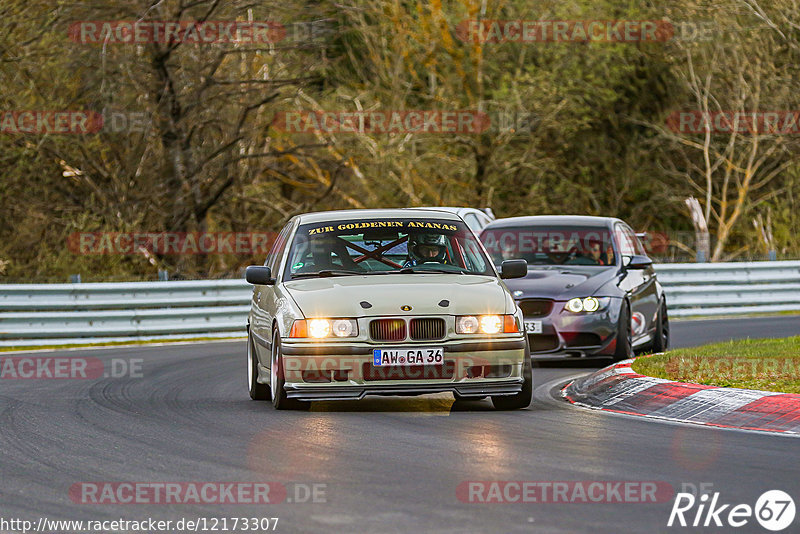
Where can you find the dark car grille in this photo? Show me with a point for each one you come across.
(387, 330)
(427, 329)
(536, 307)
(445, 371)
(581, 339)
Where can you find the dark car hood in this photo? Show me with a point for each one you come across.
(566, 282)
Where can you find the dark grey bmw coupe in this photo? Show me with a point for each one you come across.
(590, 291)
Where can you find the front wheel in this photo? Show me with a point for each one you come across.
(257, 391)
(523, 398)
(279, 399)
(661, 336)
(624, 348)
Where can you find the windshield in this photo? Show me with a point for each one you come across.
(385, 246)
(551, 245)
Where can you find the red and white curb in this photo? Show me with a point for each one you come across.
(619, 389)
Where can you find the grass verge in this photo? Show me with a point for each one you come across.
(765, 364)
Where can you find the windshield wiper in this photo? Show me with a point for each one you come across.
(328, 272)
(412, 270)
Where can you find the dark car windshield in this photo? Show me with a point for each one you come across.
(385, 246)
(551, 245)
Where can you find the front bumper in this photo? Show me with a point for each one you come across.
(338, 371)
(582, 335)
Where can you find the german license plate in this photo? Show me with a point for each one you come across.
(533, 327)
(408, 356)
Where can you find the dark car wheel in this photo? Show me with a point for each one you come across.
(279, 399)
(523, 398)
(258, 391)
(661, 336)
(624, 344)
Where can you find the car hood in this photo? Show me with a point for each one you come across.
(341, 296)
(565, 283)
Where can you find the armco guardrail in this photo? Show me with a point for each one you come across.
(64, 314)
(697, 289)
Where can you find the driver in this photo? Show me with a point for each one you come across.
(426, 248)
(597, 254)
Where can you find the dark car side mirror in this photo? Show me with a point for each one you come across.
(259, 275)
(513, 269)
(638, 262)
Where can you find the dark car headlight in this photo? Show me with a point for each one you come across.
(587, 304)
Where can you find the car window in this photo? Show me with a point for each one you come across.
(637, 243)
(382, 246)
(473, 222)
(550, 244)
(626, 239)
(275, 255)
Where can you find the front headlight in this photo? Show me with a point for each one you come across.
(588, 304)
(322, 328)
(486, 324)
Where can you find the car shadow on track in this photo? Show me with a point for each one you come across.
(440, 403)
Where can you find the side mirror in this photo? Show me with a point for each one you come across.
(513, 269)
(259, 275)
(637, 262)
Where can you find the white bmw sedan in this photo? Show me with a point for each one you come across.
(384, 302)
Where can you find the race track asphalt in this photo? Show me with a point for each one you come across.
(386, 464)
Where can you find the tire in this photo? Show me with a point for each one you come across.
(661, 336)
(279, 399)
(523, 398)
(624, 349)
(259, 392)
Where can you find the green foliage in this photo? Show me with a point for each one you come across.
(577, 127)
(764, 364)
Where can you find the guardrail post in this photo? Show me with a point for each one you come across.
(75, 278)
(163, 275)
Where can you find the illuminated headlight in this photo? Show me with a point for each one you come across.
(486, 324)
(319, 328)
(322, 328)
(588, 304)
(491, 324)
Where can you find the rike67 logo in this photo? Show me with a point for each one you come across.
(774, 510)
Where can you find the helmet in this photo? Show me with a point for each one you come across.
(428, 247)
